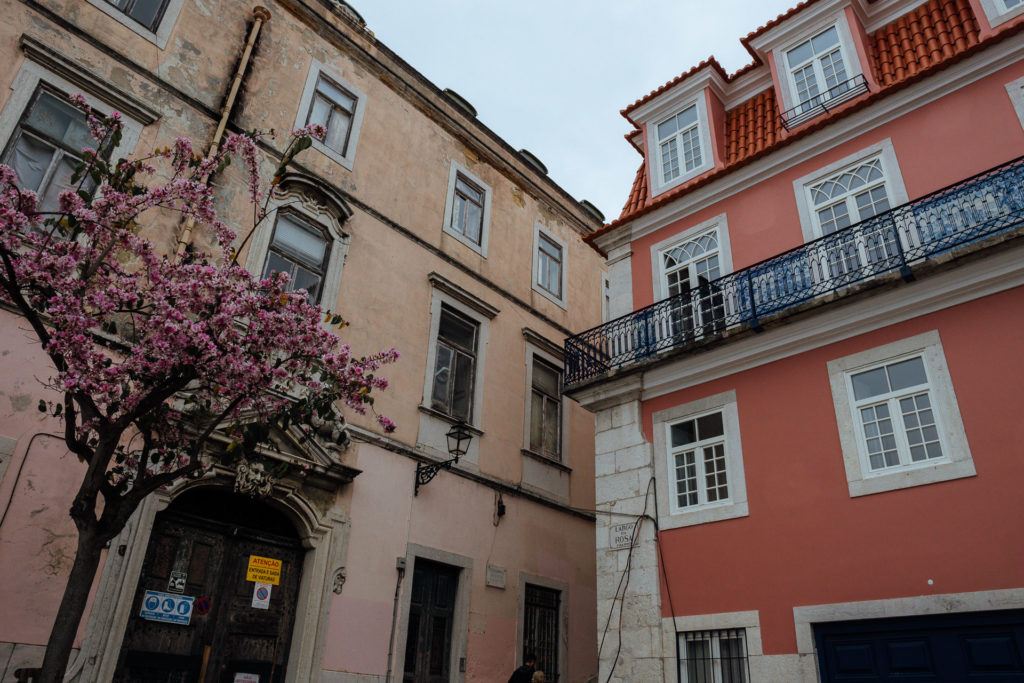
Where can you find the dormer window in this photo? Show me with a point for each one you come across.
(820, 75)
(679, 144)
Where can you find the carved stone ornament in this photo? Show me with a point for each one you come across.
(252, 480)
(339, 580)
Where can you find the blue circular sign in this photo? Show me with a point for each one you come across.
(262, 593)
(152, 602)
(184, 607)
(168, 605)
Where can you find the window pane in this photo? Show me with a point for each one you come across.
(337, 131)
(709, 426)
(551, 248)
(147, 12)
(276, 263)
(698, 662)
(684, 433)
(59, 181)
(469, 191)
(307, 280)
(870, 383)
(715, 478)
(667, 128)
(734, 668)
(669, 160)
(474, 221)
(551, 427)
(443, 366)
(462, 387)
(908, 373)
(30, 157)
(335, 94)
(799, 54)
(686, 478)
(60, 121)
(825, 40)
(458, 331)
(536, 421)
(545, 378)
(687, 117)
(301, 241)
(320, 112)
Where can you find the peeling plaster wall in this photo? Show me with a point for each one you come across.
(410, 136)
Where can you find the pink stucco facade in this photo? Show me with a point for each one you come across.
(813, 549)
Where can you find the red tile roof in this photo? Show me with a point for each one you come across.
(916, 44)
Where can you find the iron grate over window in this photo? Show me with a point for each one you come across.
(713, 656)
(541, 630)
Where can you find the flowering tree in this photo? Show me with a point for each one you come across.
(154, 355)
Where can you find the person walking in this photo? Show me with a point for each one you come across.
(524, 674)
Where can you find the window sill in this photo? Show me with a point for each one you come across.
(910, 477)
(445, 417)
(549, 296)
(547, 460)
(478, 249)
(704, 515)
(347, 161)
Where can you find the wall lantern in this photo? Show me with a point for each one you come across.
(459, 437)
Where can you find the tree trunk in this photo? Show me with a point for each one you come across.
(72, 606)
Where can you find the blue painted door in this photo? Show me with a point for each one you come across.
(978, 647)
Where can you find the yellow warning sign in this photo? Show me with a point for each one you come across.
(264, 570)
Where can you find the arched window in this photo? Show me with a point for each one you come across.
(685, 266)
(849, 197)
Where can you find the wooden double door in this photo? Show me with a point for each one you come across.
(200, 547)
(428, 645)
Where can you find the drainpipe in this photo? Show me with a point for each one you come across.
(400, 566)
(261, 15)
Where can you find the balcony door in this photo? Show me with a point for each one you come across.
(428, 645)
(695, 307)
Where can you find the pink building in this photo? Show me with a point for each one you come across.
(809, 444)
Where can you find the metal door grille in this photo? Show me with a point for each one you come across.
(541, 628)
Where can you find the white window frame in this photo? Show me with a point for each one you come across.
(454, 172)
(956, 461)
(658, 182)
(316, 214)
(160, 36)
(534, 352)
(317, 68)
(851, 58)
(998, 13)
(1015, 89)
(719, 225)
(894, 187)
(714, 641)
(539, 230)
(671, 515)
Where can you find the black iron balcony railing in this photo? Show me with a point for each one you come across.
(824, 101)
(969, 211)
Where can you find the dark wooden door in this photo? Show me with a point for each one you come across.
(428, 644)
(226, 634)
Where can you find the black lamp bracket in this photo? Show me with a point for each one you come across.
(425, 472)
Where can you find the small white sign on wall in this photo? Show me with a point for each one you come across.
(496, 576)
(246, 678)
(621, 536)
(261, 595)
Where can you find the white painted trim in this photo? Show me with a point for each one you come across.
(996, 273)
(894, 186)
(800, 25)
(330, 221)
(658, 184)
(674, 517)
(847, 48)
(449, 204)
(997, 12)
(563, 618)
(538, 229)
(348, 159)
(956, 461)
(719, 224)
(158, 37)
(883, 111)
(805, 617)
(875, 15)
(28, 78)
(437, 298)
(1015, 89)
(460, 618)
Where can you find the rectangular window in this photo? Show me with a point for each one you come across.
(896, 421)
(334, 108)
(1010, 4)
(468, 209)
(546, 410)
(541, 631)
(549, 265)
(817, 71)
(148, 13)
(301, 250)
(455, 365)
(714, 656)
(46, 147)
(679, 144)
(698, 452)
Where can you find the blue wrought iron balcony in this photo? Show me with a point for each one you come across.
(971, 211)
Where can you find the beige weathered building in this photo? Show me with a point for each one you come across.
(429, 233)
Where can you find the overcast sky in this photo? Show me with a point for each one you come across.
(552, 75)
